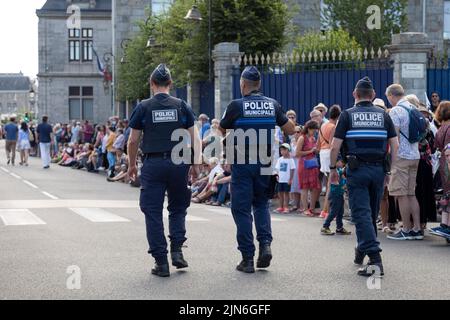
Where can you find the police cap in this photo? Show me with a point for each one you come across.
(161, 75)
(365, 84)
(251, 73)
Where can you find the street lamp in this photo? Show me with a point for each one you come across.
(195, 15)
(151, 42)
(124, 45)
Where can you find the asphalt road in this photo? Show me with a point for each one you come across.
(60, 223)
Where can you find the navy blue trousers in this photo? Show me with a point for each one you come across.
(159, 175)
(249, 189)
(336, 210)
(365, 188)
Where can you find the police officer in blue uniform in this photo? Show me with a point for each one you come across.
(158, 118)
(364, 133)
(249, 185)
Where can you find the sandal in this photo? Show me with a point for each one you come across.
(195, 200)
(216, 204)
(309, 213)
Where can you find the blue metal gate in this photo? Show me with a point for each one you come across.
(300, 87)
(438, 75)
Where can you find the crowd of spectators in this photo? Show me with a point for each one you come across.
(301, 164)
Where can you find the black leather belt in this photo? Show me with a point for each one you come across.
(158, 155)
(371, 163)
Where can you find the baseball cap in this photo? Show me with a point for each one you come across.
(286, 146)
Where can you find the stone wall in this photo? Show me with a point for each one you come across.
(125, 15)
(434, 20)
(308, 17)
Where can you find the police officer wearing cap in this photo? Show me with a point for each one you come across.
(250, 185)
(158, 118)
(364, 133)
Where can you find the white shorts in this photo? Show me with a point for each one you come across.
(325, 161)
(24, 145)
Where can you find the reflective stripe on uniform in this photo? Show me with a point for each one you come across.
(367, 134)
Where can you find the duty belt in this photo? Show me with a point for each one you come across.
(158, 155)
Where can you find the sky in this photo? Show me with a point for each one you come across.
(19, 36)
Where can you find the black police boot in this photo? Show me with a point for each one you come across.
(161, 270)
(177, 257)
(373, 267)
(265, 256)
(359, 257)
(247, 265)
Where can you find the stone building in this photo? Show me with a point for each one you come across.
(15, 89)
(70, 84)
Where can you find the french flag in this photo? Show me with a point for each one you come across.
(103, 70)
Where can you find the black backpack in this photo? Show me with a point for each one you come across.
(417, 125)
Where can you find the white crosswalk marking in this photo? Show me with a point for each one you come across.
(5, 170)
(98, 215)
(228, 213)
(188, 218)
(19, 217)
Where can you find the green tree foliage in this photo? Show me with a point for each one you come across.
(352, 16)
(337, 40)
(257, 25)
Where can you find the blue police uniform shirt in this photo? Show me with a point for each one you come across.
(44, 130)
(254, 111)
(365, 130)
(143, 120)
(11, 130)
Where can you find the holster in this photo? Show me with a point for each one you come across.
(353, 162)
(386, 165)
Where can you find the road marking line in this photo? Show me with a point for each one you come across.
(19, 217)
(30, 184)
(15, 176)
(228, 213)
(98, 215)
(49, 195)
(6, 170)
(188, 218)
(67, 203)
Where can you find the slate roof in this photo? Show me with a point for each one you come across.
(14, 82)
(61, 5)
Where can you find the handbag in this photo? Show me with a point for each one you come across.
(30, 136)
(311, 163)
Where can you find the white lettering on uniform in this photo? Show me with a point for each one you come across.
(259, 109)
(367, 120)
(161, 116)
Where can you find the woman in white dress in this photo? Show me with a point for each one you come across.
(24, 143)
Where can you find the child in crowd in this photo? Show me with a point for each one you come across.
(444, 229)
(336, 198)
(285, 169)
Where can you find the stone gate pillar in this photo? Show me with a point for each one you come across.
(225, 56)
(410, 52)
